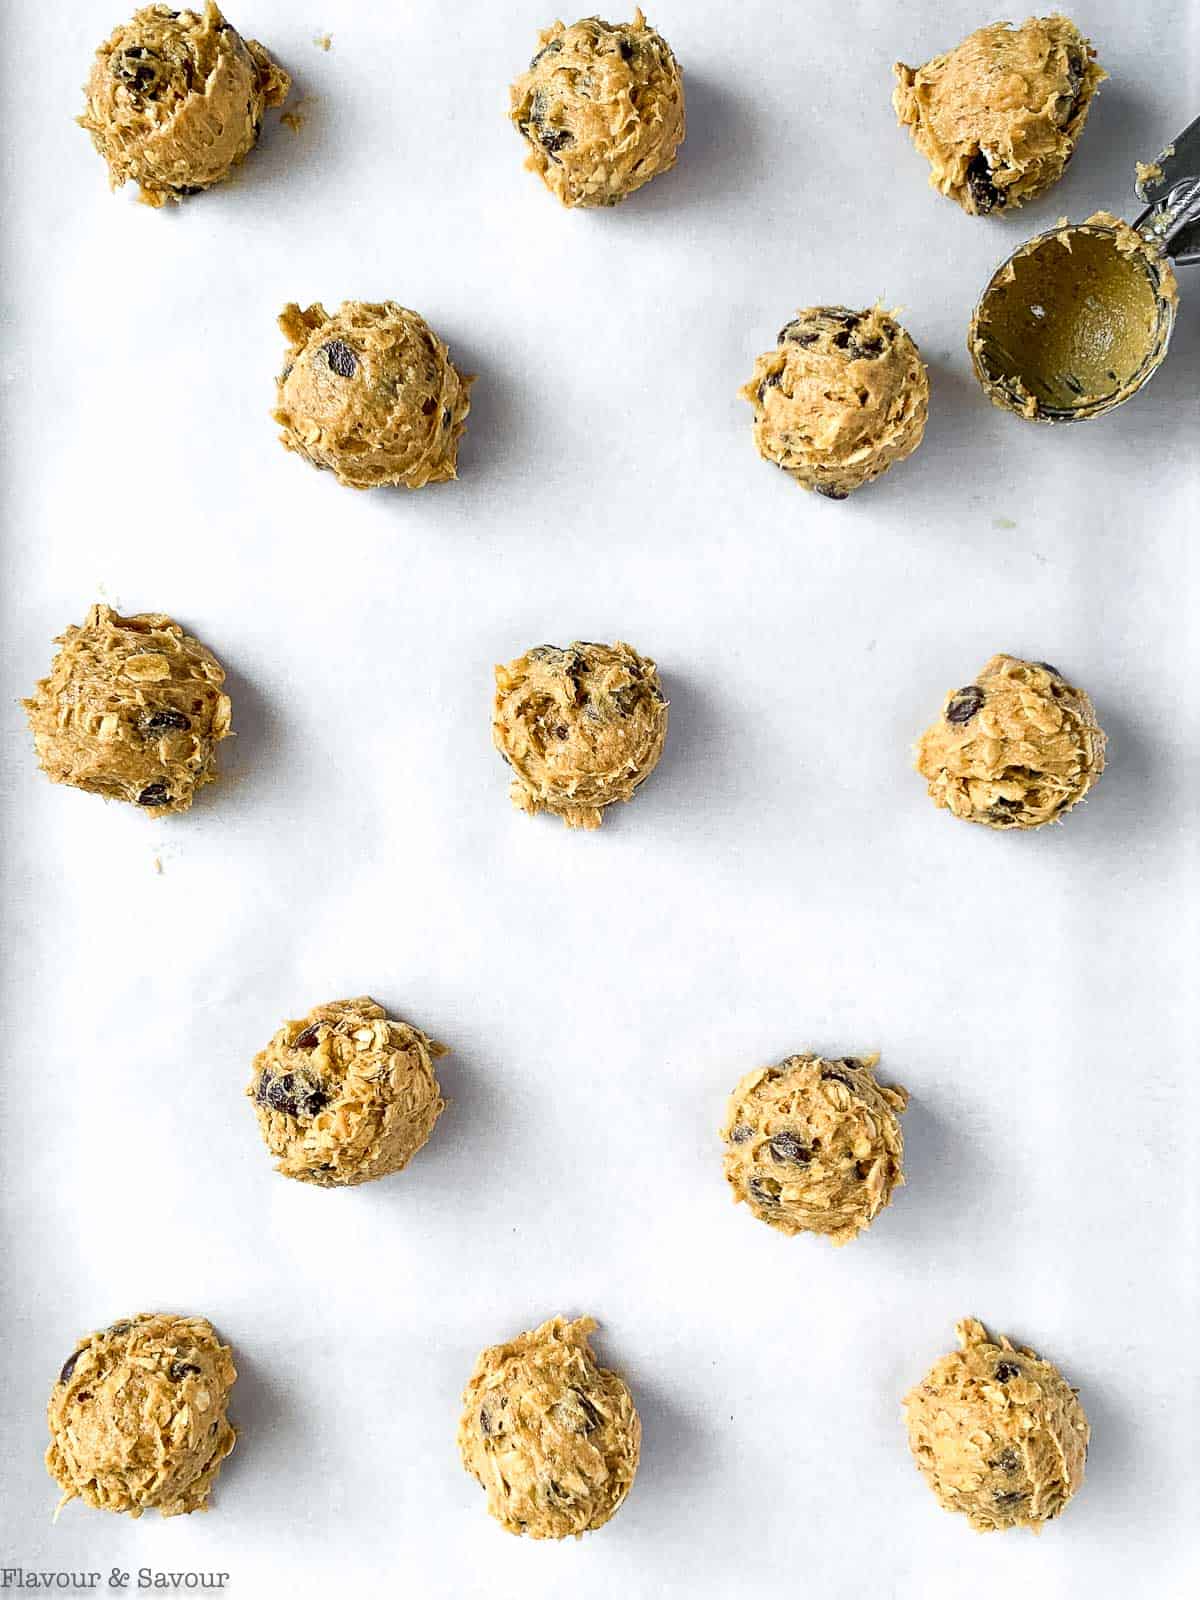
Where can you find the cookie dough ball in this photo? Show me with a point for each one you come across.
(133, 709)
(553, 1438)
(137, 1416)
(842, 397)
(346, 1094)
(814, 1146)
(997, 1432)
(601, 108)
(370, 394)
(997, 117)
(175, 100)
(1015, 749)
(580, 727)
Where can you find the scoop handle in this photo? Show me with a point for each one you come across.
(1171, 220)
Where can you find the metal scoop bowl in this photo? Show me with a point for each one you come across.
(1079, 318)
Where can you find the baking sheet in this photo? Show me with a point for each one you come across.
(781, 883)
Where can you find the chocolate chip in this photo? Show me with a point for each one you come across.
(446, 416)
(68, 1367)
(1009, 1497)
(1007, 1461)
(184, 189)
(165, 721)
(964, 704)
(984, 194)
(138, 70)
(309, 1039)
(786, 1147)
(830, 493)
(120, 1327)
(836, 1076)
(294, 1099)
(592, 1418)
(625, 46)
(797, 333)
(1004, 813)
(862, 1170)
(1068, 103)
(772, 382)
(550, 49)
(741, 1133)
(865, 349)
(154, 794)
(1046, 667)
(1006, 1370)
(764, 1190)
(553, 140)
(341, 358)
(485, 1422)
(179, 1370)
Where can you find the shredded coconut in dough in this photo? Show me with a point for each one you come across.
(997, 1432)
(601, 108)
(552, 1437)
(137, 1417)
(581, 727)
(370, 394)
(346, 1093)
(842, 398)
(133, 709)
(998, 117)
(814, 1146)
(1015, 749)
(175, 100)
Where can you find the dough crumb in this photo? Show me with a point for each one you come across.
(601, 109)
(814, 1145)
(842, 397)
(998, 117)
(138, 1416)
(581, 727)
(997, 1433)
(175, 100)
(550, 1436)
(346, 1094)
(324, 41)
(1015, 749)
(371, 395)
(1148, 172)
(133, 710)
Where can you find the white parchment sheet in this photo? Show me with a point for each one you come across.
(781, 883)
